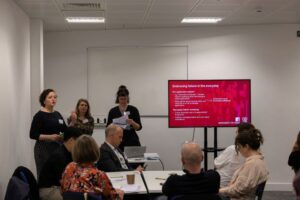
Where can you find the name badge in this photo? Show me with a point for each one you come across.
(60, 121)
(85, 121)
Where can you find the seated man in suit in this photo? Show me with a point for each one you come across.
(51, 173)
(195, 181)
(112, 158)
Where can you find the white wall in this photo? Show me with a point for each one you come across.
(15, 145)
(267, 54)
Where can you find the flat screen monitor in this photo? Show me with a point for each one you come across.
(209, 103)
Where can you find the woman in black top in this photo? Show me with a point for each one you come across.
(130, 138)
(294, 158)
(46, 126)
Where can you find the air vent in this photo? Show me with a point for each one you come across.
(82, 7)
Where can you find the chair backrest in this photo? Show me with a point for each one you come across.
(27, 176)
(197, 197)
(17, 190)
(73, 196)
(80, 196)
(260, 190)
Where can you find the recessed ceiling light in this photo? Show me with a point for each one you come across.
(85, 19)
(201, 20)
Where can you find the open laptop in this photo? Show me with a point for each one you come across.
(135, 151)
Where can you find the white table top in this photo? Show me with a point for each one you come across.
(154, 179)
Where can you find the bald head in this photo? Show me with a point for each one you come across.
(191, 154)
(114, 135)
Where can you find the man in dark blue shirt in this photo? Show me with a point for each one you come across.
(49, 179)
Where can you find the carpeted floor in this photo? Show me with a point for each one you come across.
(278, 195)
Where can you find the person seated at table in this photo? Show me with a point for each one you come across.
(81, 118)
(82, 175)
(48, 183)
(195, 181)
(111, 157)
(253, 172)
(230, 160)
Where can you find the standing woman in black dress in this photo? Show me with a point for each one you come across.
(46, 126)
(294, 158)
(130, 137)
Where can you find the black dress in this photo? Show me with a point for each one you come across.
(130, 138)
(294, 161)
(45, 123)
(54, 167)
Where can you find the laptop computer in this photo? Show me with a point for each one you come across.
(135, 151)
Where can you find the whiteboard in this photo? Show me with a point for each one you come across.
(144, 70)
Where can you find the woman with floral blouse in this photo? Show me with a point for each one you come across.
(82, 175)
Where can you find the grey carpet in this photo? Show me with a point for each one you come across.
(278, 195)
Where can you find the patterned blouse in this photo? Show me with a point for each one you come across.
(88, 179)
(86, 126)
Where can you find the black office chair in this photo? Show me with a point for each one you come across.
(24, 174)
(260, 190)
(197, 197)
(80, 196)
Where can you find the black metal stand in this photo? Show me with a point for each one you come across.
(213, 149)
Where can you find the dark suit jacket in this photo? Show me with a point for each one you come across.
(108, 161)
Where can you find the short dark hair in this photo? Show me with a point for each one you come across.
(43, 96)
(71, 132)
(85, 150)
(251, 137)
(122, 92)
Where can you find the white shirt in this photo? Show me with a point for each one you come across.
(119, 155)
(227, 163)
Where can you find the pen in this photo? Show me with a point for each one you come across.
(116, 177)
(157, 178)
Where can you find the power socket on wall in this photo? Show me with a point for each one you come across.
(298, 33)
(99, 121)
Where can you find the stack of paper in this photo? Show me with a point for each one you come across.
(130, 188)
(151, 156)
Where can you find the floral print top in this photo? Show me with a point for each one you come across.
(88, 179)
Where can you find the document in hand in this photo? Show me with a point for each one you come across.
(121, 121)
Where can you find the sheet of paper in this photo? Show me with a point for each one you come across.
(151, 156)
(131, 188)
(121, 121)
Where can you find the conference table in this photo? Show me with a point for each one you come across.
(153, 179)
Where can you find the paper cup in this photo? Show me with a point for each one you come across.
(130, 179)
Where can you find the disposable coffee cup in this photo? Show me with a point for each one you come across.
(130, 179)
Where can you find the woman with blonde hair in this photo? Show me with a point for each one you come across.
(82, 175)
(294, 158)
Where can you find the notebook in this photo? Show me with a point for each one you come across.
(134, 151)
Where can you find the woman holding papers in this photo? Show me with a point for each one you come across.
(127, 117)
